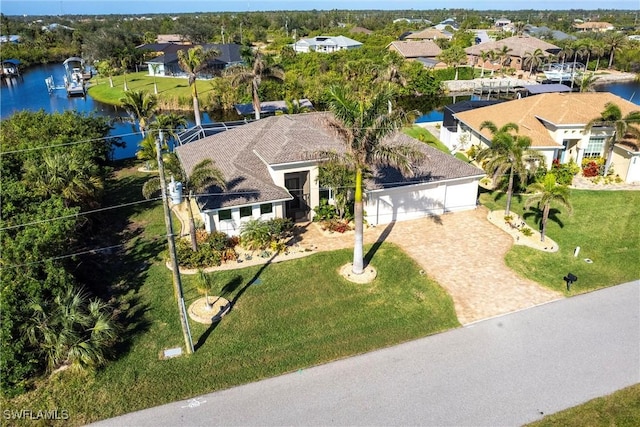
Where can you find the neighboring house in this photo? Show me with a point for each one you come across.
(424, 51)
(360, 30)
(518, 47)
(167, 59)
(55, 26)
(544, 33)
(556, 123)
(325, 44)
(597, 27)
(10, 39)
(429, 34)
(449, 22)
(412, 21)
(171, 38)
(502, 23)
(271, 171)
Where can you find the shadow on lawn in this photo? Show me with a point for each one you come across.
(229, 288)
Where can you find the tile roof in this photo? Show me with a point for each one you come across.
(416, 49)
(243, 153)
(430, 34)
(519, 45)
(531, 112)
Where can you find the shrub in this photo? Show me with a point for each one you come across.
(564, 172)
(526, 231)
(324, 211)
(591, 169)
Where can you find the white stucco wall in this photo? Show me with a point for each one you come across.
(418, 201)
(233, 226)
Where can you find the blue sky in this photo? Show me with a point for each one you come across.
(71, 7)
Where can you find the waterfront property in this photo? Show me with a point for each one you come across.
(271, 172)
(166, 61)
(556, 124)
(515, 48)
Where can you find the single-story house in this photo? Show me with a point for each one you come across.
(172, 38)
(546, 33)
(556, 123)
(518, 47)
(325, 44)
(271, 171)
(419, 50)
(166, 63)
(360, 30)
(502, 23)
(449, 22)
(597, 27)
(429, 34)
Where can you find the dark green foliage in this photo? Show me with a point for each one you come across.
(258, 234)
(42, 191)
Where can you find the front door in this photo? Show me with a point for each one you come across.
(296, 183)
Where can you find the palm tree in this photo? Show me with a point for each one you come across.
(69, 175)
(141, 107)
(598, 50)
(193, 61)
(71, 330)
(170, 125)
(205, 285)
(545, 193)
(510, 153)
(484, 56)
(259, 70)
(615, 42)
(533, 59)
(503, 56)
(453, 57)
(587, 82)
(154, 69)
(124, 63)
(203, 176)
(566, 52)
(147, 151)
(623, 127)
(362, 125)
(105, 68)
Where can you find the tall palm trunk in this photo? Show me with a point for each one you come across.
(192, 224)
(196, 105)
(358, 213)
(545, 217)
(509, 192)
(256, 99)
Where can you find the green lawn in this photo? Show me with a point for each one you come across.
(605, 224)
(173, 92)
(620, 409)
(291, 320)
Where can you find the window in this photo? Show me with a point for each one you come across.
(246, 211)
(594, 148)
(266, 208)
(224, 215)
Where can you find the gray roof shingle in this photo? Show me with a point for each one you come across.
(243, 153)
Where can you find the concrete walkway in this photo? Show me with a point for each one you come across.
(505, 371)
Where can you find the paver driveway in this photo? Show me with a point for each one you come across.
(464, 253)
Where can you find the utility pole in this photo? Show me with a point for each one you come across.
(175, 268)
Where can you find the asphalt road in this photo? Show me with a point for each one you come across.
(504, 371)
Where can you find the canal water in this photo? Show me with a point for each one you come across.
(29, 92)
